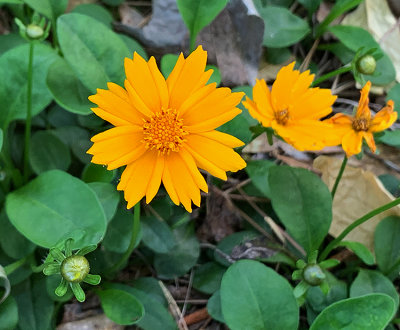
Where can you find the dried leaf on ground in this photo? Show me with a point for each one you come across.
(376, 17)
(358, 193)
(98, 322)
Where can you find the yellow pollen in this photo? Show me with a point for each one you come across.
(282, 116)
(164, 131)
(360, 124)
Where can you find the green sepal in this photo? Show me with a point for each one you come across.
(297, 274)
(86, 250)
(312, 257)
(78, 292)
(324, 286)
(300, 289)
(51, 268)
(300, 264)
(68, 247)
(329, 263)
(57, 255)
(62, 288)
(92, 279)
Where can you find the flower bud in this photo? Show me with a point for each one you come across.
(313, 275)
(74, 269)
(34, 31)
(366, 64)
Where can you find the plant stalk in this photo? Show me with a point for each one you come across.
(339, 176)
(330, 75)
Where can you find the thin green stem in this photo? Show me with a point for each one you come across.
(355, 224)
(133, 242)
(339, 176)
(15, 265)
(331, 74)
(28, 122)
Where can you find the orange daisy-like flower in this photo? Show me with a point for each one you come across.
(165, 129)
(293, 109)
(351, 130)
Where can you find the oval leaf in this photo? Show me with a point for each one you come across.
(254, 296)
(8, 314)
(61, 206)
(157, 235)
(310, 213)
(360, 250)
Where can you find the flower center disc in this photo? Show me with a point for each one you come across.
(360, 124)
(282, 116)
(164, 131)
(75, 268)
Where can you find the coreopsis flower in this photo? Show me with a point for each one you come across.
(351, 130)
(293, 109)
(165, 129)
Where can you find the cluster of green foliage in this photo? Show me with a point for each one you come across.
(59, 194)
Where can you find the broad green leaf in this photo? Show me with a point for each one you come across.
(197, 14)
(97, 173)
(5, 282)
(216, 75)
(48, 152)
(387, 246)
(113, 2)
(61, 206)
(121, 306)
(258, 172)
(152, 287)
(355, 38)
(9, 41)
(310, 213)
(157, 235)
(134, 46)
(180, 259)
(254, 296)
(372, 281)
(34, 305)
(94, 52)
(391, 138)
(50, 8)
(391, 183)
(11, 2)
(97, 12)
(14, 68)
(8, 314)
(360, 250)
(167, 64)
(67, 89)
(58, 117)
(310, 5)
(12, 242)
(108, 197)
(214, 307)
(370, 312)
(278, 55)
(207, 278)
(282, 28)
(340, 7)
(394, 94)
(78, 139)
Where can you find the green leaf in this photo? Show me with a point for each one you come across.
(14, 68)
(340, 7)
(214, 307)
(120, 306)
(167, 64)
(48, 152)
(78, 139)
(180, 259)
(360, 250)
(134, 46)
(97, 12)
(197, 14)
(35, 306)
(67, 89)
(387, 246)
(8, 314)
(391, 138)
(151, 286)
(310, 213)
(258, 171)
(355, 38)
(97, 173)
(12, 242)
(391, 183)
(157, 235)
(282, 28)
(108, 197)
(207, 278)
(310, 5)
(371, 281)
(49, 8)
(253, 296)
(370, 312)
(94, 52)
(61, 206)
(394, 94)
(10, 40)
(5, 283)
(113, 2)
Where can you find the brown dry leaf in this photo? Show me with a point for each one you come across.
(98, 322)
(376, 17)
(358, 193)
(73, 3)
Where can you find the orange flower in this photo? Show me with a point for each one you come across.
(351, 130)
(165, 129)
(293, 109)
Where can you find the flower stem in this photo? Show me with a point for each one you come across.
(28, 122)
(15, 265)
(330, 75)
(133, 242)
(355, 224)
(339, 176)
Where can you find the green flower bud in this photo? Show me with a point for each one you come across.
(313, 275)
(74, 269)
(34, 31)
(366, 64)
